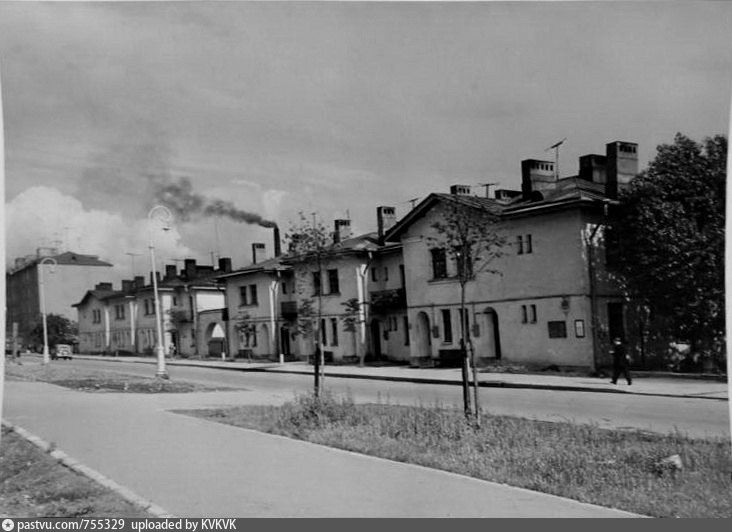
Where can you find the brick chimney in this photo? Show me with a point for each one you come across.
(127, 285)
(460, 190)
(139, 281)
(593, 168)
(342, 230)
(224, 264)
(385, 220)
(259, 251)
(277, 241)
(103, 286)
(537, 177)
(171, 271)
(622, 166)
(190, 269)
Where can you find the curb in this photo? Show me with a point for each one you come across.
(274, 368)
(125, 493)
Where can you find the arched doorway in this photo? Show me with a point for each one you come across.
(215, 340)
(285, 340)
(423, 338)
(489, 341)
(376, 339)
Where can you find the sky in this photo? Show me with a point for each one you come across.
(240, 115)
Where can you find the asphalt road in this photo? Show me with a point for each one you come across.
(694, 417)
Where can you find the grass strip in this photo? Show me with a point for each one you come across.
(612, 468)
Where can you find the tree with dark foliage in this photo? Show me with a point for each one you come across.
(668, 233)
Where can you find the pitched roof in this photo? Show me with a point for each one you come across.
(569, 190)
(78, 259)
(99, 294)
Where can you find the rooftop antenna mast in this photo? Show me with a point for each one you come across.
(132, 259)
(555, 147)
(413, 201)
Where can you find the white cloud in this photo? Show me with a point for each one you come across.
(40, 215)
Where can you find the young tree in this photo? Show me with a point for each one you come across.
(470, 235)
(669, 231)
(308, 245)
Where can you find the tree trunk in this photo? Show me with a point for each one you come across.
(464, 354)
(476, 384)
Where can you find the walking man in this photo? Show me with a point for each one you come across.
(620, 361)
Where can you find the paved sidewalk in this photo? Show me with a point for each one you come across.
(196, 468)
(663, 386)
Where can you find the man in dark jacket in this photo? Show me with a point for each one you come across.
(620, 361)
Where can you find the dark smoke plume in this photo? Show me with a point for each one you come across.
(186, 204)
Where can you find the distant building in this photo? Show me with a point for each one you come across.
(124, 321)
(73, 274)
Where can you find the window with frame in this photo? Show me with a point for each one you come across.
(374, 275)
(524, 314)
(334, 331)
(119, 312)
(557, 329)
(243, 296)
(528, 244)
(402, 276)
(253, 299)
(532, 313)
(520, 245)
(405, 322)
(284, 287)
(446, 326)
(386, 274)
(333, 287)
(439, 263)
(316, 283)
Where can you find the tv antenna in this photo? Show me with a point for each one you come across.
(555, 147)
(487, 187)
(413, 201)
(132, 260)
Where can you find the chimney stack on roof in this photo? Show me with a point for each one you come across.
(342, 230)
(385, 220)
(460, 190)
(622, 166)
(127, 285)
(190, 269)
(171, 272)
(259, 251)
(225, 264)
(103, 286)
(139, 281)
(537, 177)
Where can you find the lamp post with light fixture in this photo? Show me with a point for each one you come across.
(42, 295)
(162, 214)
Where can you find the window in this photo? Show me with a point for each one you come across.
(323, 333)
(119, 312)
(386, 274)
(532, 313)
(316, 283)
(373, 275)
(439, 263)
(557, 329)
(446, 326)
(253, 300)
(284, 287)
(524, 244)
(253, 336)
(97, 315)
(402, 276)
(333, 287)
(406, 330)
(243, 299)
(175, 301)
(334, 331)
(524, 314)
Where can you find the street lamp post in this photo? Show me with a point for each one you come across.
(42, 295)
(162, 214)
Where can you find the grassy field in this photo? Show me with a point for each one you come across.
(33, 484)
(99, 380)
(618, 469)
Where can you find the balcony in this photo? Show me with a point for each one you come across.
(385, 301)
(288, 309)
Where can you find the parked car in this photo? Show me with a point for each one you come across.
(62, 351)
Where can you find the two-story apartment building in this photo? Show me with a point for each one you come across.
(551, 304)
(124, 321)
